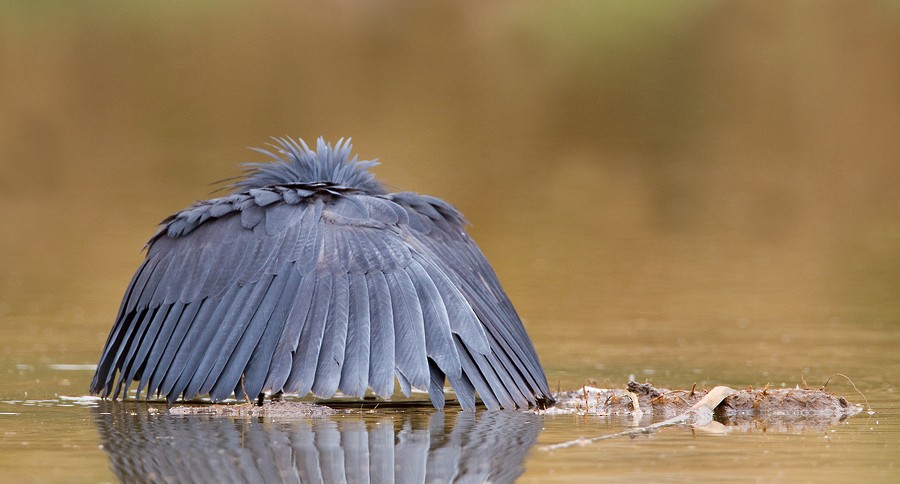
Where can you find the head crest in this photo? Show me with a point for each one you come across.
(294, 162)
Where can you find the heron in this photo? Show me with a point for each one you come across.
(310, 276)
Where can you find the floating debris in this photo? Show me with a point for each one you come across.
(87, 400)
(280, 409)
(66, 367)
(721, 409)
(762, 402)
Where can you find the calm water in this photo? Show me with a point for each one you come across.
(703, 192)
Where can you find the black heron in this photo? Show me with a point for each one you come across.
(311, 277)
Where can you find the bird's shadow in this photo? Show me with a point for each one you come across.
(383, 446)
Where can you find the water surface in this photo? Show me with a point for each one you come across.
(701, 194)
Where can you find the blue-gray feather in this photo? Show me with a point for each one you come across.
(334, 340)
(303, 367)
(381, 350)
(355, 373)
(409, 330)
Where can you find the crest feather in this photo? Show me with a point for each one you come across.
(294, 162)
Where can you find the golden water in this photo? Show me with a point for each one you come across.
(693, 192)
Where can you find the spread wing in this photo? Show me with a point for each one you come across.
(509, 374)
(320, 288)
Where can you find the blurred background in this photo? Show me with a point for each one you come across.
(685, 191)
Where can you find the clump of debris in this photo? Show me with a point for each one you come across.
(719, 410)
(281, 409)
(755, 403)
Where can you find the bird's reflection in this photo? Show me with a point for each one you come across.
(382, 447)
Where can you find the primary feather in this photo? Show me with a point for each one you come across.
(310, 276)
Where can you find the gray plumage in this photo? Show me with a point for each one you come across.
(310, 276)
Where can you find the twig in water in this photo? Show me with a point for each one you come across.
(869, 407)
(244, 389)
(635, 401)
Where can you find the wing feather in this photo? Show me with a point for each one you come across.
(495, 368)
(203, 355)
(309, 252)
(252, 216)
(409, 330)
(295, 321)
(127, 337)
(235, 366)
(151, 353)
(381, 350)
(181, 267)
(178, 350)
(511, 367)
(203, 350)
(485, 385)
(436, 388)
(439, 344)
(405, 386)
(204, 254)
(278, 216)
(137, 354)
(170, 337)
(303, 369)
(505, 365)
(334, 339)
(235, 326)
(384, 211)
(287, 282)
(355, 373)
(283, 250)
(152, 286)
(264, 255)
(102, 380)
(462, 386)
(220, 259)
(134, 286)
(139, 283)
(463, 320)
(106, 368)
(235, 265)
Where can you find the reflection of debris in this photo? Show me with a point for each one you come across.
(271, 409)
(764, 403)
